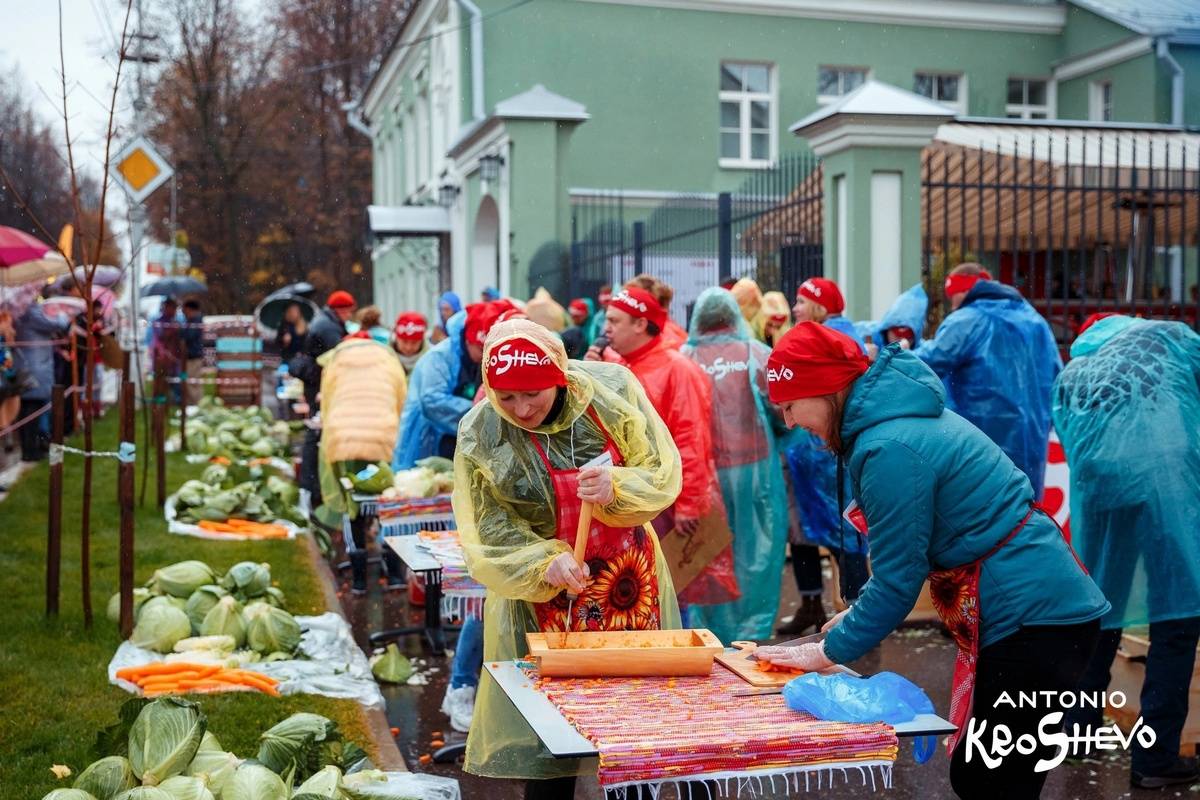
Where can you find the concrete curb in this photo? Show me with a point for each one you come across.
(377, 723)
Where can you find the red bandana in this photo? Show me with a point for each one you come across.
(823, 292)
(520, 365)
(961, 284)
(410, 326)
(812, 360)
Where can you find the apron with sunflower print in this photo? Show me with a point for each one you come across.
(955, 596)
(623, 594)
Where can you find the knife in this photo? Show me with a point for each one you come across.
(816, 637)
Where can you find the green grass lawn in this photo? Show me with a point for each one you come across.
(54, 690)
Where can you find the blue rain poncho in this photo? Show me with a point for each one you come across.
(814, 478)
(748, 466)
(432, 409)
(1126, 414)
(908, 311)
(998, 360)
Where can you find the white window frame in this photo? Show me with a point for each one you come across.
(1027, 110)
(744, 99)
(960, 105)
(1096, 102)
(824, 99)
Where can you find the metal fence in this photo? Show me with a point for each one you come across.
(769, 229)
(1079, 221)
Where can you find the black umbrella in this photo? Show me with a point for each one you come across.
(174, 287)
(270, 311)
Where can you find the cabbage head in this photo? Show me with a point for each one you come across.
(254, 782)
(215, 767)
(160, 626)
(113, 610)
(271, 630)
(144, 793)
(201, 602)
(391, 666)
(180, 580)
(214, 474)
(275, 597)
(225, 619)
(182, 787)
(293, 743)
(164, 739)
(106, 778)
(325, 784)
(249, 578)
(69, 794)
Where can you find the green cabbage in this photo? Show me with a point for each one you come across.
(144, 793)
(391, 666)
(438, 464)
(293, 742)
(182, 787)
(113, 611)
(106, 778)
(263, 448)
(164, 739)
(373, 479)
(214, 766)
(249, 578)
(180, 580)
(275, 597)
(270, 629)
(252, 782)
(160, 626)
(225, 619)
(209, 742)
(324, 784)
(69, 794)
(201, 602)
(214, 475)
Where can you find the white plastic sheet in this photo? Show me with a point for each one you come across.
(334, 667)
(174, 525)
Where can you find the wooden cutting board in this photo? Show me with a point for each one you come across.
(740, 664)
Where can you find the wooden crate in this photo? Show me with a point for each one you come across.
(623, 654)
(1128, 673)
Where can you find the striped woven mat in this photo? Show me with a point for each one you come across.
(652, 730)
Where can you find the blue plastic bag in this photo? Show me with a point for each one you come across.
(885, 697)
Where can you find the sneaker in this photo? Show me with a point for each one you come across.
(459, 705)
(1185, 770)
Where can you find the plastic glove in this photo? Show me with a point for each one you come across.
(808, 657)
(565, 573)
(834, 621)
(596, 486)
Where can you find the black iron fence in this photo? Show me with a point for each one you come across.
(769, 229)
(1080, 221)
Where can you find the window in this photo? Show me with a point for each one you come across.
(1100, 101)
(833, 82)
(949, 88)
(1028, 98)
(747, 124)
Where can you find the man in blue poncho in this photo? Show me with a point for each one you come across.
(1125, 409)
(747, 463)
(998, 359)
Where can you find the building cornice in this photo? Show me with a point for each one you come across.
(989, 16)
(1072, 68)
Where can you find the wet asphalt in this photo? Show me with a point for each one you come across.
(921, 654)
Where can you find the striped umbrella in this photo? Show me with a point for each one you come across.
(24, 258)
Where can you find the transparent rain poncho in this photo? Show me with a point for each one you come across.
(748, 466)
(504, 506)
(1126, 414)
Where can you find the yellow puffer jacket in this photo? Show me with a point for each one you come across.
(362, 392)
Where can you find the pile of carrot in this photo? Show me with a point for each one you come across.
(245, 528)
(767, 666)
(181, 677)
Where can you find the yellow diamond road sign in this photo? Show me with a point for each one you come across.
(139, 169)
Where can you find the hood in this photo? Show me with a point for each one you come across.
(908, 311)
(898, 384)
(991, 290)
(1098, 335)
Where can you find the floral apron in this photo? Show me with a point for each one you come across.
(623, 593)
(955, 596)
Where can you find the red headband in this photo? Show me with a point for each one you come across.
(410, 326)
(520, 365)
(823, 292)
(812, 360)
(639, 303)
(959, 284)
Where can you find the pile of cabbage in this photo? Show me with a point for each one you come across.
(189, 612)
(237, 433)
(430, 477)
(226, 491)
(163, 750)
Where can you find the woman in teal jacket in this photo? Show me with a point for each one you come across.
(937, 499)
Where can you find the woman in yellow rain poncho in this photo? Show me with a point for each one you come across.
(552, 435)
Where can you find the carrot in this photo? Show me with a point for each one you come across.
(215, 527)
(158, 668)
